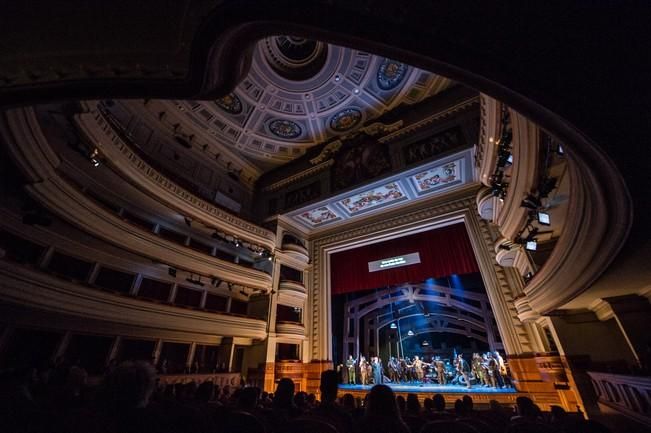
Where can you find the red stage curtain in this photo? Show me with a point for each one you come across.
(443, 252)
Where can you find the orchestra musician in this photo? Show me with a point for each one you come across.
(439, 366)
(364, 368)
(350, 365)
(394, 370)
(463, 369)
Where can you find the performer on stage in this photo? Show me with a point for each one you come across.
(364, 370)
(394, 370)
(493, 369)
(350, 365)
(463, 369)
(478, 368)
(376, 364)
(501, 368)
(418, 365)
(439, 366)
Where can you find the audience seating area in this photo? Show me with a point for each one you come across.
(56, 398)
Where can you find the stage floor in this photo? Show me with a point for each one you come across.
(430, 388)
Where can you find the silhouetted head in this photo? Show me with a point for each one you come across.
(467, 403)
(402, 404)
(328, 386)
(284, 396)
(348, 402)
(439, 402)
(382, 402)
(248, 398)
(413, 405)
(130, 385)
(459, 408)
(525, 407)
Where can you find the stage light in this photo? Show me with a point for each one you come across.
(237, 242)
(509, 160)
(425, 343)
(393, 325)
(543, 218)
(532, 245)
(560, 151)
(410, 333)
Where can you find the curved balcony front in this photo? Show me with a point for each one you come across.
(290, 329)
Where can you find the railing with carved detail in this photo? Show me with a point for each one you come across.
(629, 395)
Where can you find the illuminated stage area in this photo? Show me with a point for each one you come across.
(431, 388)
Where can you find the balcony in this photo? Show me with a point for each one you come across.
(292, 289)
(628, 395)
(292, 329)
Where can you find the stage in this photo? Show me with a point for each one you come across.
(480, 395)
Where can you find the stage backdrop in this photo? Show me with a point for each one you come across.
(443, 252)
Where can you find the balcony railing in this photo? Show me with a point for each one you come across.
(629, 395)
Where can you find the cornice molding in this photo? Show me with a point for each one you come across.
(298, 176)
(430, 119)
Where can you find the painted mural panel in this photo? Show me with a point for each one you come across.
(438, 177)
(373, 198)
(317, 217)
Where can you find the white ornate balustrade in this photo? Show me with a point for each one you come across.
(629, 395)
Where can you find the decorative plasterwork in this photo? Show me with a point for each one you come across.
(270, 118)
(430, 119)
(410, 186)
(127, 162)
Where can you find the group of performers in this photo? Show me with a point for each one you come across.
(487, 369)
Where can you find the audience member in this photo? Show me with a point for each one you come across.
(382, 414)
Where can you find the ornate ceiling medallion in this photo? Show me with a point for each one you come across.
(346, 119)
(390, 74)
(284, 128)
(230, 103)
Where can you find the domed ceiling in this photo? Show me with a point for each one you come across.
(298, 93)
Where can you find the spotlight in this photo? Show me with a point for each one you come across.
(532, 245)
(171, 272)
(531, 202)
(425, 343)
(237, 242)
(393, 326)
(560, 151)
(509, 160)
(410, 333)
(543, 218)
